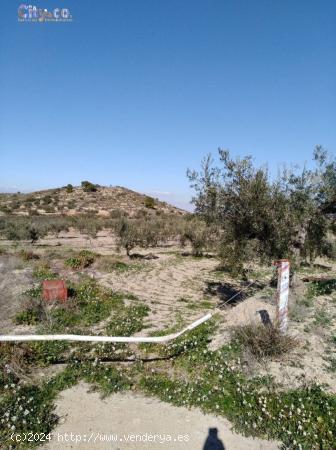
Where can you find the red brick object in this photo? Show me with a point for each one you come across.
(54, 290)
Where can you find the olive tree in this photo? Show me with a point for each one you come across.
(275, 218)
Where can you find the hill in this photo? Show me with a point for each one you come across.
(72, 201)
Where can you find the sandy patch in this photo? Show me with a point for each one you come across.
(14, 280)
(170, 286)
(84, 413)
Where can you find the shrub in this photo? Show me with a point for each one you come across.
(263, 341)
(43, 272)
(33, 212)
(27, 317)
(33, 312)
(47, 200)
(69, 188)
(329, 250)
(87, 224)
(49, 209)
(137, 233)
(15, 204)
(28, 255)
(88, 186)
(110, 264)
(199, 234)
(33, 234)
(73, 263)
(321, 287)
(5, 209)
(118, 213)
(149, 202)
(84, 259)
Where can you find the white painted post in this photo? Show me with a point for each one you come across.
(282, 295)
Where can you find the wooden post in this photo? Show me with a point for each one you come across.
(282, 295)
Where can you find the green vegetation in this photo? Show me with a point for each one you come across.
(262, 218)
(120, 266)
(300, 418)
(133, 233)
(28, 408)
(187, 373)
(84, 259)
(129, 321)
(88, 186)
(242, 216)
(43, 272)
(322, 318)
(113, 264)
(31, 315)
(149, 202)
(331, 358)
(88, 304)
(199, 235)
(322, 287)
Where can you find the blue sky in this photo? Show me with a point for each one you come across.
(133, 93)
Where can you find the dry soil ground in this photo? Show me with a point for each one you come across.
(178, 289)
(123, 415)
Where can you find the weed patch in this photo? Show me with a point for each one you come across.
(84, 259)
(28, 255)
(43, 272)
(322, 287)
(128, 321)
(263, 341)
(322, 318)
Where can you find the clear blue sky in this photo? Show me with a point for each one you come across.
(134, 92)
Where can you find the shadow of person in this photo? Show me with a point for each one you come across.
(212, 442)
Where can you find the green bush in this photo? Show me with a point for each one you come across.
(28, 317)
(33, 312)
(84, 259)
(200, 235)
(88, 186)
(33, 234)
(47, 199)
(321, 287)
(73, 263)
(43, 272)
(5, 209)
(149, 202)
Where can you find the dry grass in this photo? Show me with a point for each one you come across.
(264, 340)
(99, 202)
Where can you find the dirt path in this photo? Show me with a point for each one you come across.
(129, 414)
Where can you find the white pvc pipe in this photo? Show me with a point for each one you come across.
(80, 338)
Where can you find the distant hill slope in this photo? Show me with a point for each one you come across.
(77, 201)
